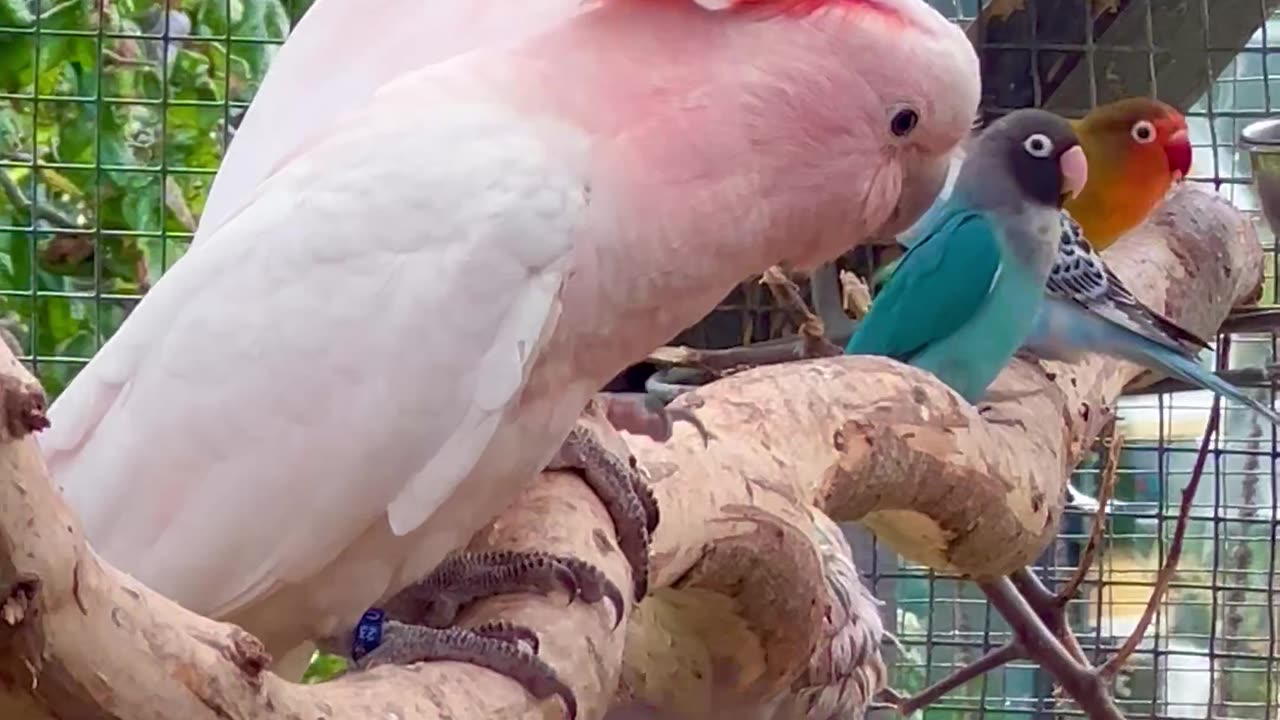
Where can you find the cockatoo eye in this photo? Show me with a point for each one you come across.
(904, 121)
(1143, 131)
(1038, 145)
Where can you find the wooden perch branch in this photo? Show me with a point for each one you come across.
(79, 640)
(973, 491)
(977, 491)
(740, 615)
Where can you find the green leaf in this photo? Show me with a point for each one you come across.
(60, 182)
(214, 14)
(142, 205)
(59, 325)
(323, 667)
(11, 135)
(77, 134)
(15, 13)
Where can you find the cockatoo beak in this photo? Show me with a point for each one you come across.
(1075, 170)
(920, 188)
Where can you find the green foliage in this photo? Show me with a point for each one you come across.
(125, 137)
(124, 133)
(323, 667)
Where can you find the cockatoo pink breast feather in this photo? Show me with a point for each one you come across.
(429, 247)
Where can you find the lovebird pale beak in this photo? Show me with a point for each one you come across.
(1075, 170)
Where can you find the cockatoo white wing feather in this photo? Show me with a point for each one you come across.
(377, 41)
(367, 399)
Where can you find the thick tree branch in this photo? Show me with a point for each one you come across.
(79, 640)
(741, 613)
(976, 491)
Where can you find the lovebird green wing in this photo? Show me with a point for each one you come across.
(938, 286)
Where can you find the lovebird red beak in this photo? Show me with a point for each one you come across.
(1177, 150)
(1075, 170)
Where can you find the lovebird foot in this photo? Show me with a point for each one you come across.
(494, 646)
(465, 578)
(647, 414)
(618, 482)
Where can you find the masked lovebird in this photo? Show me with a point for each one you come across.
(966, 295)
(428, 251)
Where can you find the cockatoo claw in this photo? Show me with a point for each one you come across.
(494, 646)
(509, 632)
(467, 577)
(619, 484)
(648, 414)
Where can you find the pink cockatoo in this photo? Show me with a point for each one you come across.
(426, 253)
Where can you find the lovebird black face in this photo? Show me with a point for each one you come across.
(1042, 153)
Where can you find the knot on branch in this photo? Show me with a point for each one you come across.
(772, 621)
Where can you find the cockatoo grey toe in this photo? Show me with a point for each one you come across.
(647, 413)
(594, 450)
(510, 632)
(493, 647)
(467, 577)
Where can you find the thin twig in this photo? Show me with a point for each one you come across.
(1108, 485)
(38, 210)
(788, 297)
(115, 59)
(1051, 612)
(1079, 681)
(48, 14)
(809, 326)
(997, 658)
(768, 352)
(1165, 576)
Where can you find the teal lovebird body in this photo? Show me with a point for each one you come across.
(965, 306)
(967, 295)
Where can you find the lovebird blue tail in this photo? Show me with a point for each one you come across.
(1155, 356)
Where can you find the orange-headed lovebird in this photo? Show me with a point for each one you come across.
(1137, 148)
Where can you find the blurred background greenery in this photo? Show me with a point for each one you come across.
(109, 138)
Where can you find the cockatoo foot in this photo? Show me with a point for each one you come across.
(494, 646)
(647, 414)
(465, 578)
(595, 450)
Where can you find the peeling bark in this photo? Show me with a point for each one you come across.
(742, 603)
(974, 491)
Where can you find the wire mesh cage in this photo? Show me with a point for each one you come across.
(1212, 650)
(114, 115)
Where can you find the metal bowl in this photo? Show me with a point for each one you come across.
(1262, 140)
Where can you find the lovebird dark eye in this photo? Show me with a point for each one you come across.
(904, 121)
(1038, 145)
(1143, 131)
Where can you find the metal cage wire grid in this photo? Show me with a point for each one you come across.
(114, 115)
